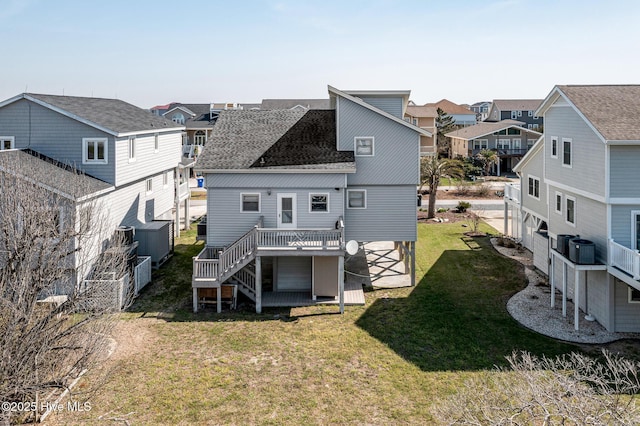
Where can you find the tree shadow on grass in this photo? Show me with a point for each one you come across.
(456, 317)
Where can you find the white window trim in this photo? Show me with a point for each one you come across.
(355, 146)
(349, 191)
(148, 186)
(519, 113)
(629, 295)
(535, 179)
(311, 194)
(85, 150)
(156, 142)
(131, 148)
(554, 139)
(242, 194)
(530, 113)
(555, 201)
(11, 139)
(514, 114)
(634, 230)
(575, 210)
(480, 143)
(570, 141)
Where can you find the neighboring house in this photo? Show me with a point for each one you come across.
(517, 109)
(481, 109)
(198, 120)
(130, 157)
(509, 138)
(581, 179)
(425, 118)
(462, 116)
(288, 188)
(295, 104)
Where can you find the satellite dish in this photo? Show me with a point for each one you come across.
(352, 247)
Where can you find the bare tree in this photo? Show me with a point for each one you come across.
(432, 169)
(52, 326)
(573, 389)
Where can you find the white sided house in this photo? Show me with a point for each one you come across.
(578, 203)
(288, 188)
(130, 161)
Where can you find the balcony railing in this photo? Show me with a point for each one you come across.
(299, 239)
(502, 152)
(625, 259)
(512, 192)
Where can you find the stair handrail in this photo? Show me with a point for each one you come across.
(244, 245)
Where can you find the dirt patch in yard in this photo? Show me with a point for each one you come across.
(450, 216)
(133, 337)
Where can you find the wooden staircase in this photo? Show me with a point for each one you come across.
(228, 264)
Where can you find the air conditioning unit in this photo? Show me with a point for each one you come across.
(582, 252)
(562, 244)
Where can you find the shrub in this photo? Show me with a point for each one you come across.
(463, 206)
(483, 190)
(443, 210)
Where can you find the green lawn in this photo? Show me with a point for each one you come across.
(383, 363)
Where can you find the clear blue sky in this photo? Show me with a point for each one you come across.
(152, 52)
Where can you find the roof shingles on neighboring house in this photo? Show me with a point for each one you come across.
(517, 104)
(422, 111)
(275, 139)
(484, 128)
(51, 173)
(614, 110)
(110, 114)
(450, 107)
(269, 104)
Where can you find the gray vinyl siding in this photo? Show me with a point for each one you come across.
(226, 223)
(624, 172)
(588, 151)
(284, 180)
(293, 273)
(627, 315)
(621, 226)
(557, 276)
(591, 222)
(55, 136)
(130, 204)
(390, 215)
(396, 147)
(147, 161)
(387, 104)
(534, 167)
(598, 294)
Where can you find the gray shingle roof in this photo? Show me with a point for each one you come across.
(275, 139)
(482, 129)
(50, 173)
(612, 109)
(517, 104)
(268, 104)
(113, 114)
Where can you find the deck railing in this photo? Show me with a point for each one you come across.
(512, 192)
(242, 249)
(205, 264)
(625, 259)
(299, 238)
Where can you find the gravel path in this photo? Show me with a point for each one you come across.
(532, 307)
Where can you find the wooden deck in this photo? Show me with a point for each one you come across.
(353, 295)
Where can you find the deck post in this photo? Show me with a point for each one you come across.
(187, 217)
(176, 230)
(258, 284)
(412, 245)
(552, 278)
(564, 289)
(341, 282)
(576, 299)
(195, 300)
(219, 297)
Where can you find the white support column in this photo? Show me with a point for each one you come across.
(187, 217)
(341, 282)
(564, 289)
(576, 299)
(258, 284)
(506, 218)
(195, 300)
(552, 279)
(176, 228)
